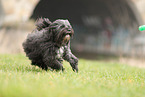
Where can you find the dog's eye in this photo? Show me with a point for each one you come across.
(62, 26)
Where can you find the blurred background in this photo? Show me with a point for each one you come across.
(102, 27)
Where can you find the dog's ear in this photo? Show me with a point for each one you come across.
(42, 23)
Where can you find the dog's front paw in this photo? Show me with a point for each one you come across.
(63, 69)
(75, 68)
(74, 65)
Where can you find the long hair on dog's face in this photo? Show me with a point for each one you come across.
(62, 31)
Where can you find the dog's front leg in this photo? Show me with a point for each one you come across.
(73, 60)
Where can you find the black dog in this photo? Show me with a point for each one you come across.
(49, 44)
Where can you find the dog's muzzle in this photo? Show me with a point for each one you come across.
(66, 39)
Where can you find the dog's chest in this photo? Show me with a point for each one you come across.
(60, 53)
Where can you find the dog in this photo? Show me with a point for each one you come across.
(49, 44)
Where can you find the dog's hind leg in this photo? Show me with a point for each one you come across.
(56, 65)
(43, 66)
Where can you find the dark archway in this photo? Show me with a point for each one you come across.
(100, 25)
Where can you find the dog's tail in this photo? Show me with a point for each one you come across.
(42, 23)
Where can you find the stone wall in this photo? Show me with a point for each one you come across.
(21, 10)
(15, 25)
(18, 10)
(140, 4)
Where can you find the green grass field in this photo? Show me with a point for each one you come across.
(95, 79)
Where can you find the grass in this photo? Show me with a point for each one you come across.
(95, 79)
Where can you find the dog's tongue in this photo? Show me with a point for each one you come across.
(66, 38)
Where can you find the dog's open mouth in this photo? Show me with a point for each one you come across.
(66, 39)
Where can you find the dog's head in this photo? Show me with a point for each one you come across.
(62, 31)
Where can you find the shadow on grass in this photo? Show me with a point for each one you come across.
(34, 69)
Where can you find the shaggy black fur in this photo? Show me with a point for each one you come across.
(49, 44)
